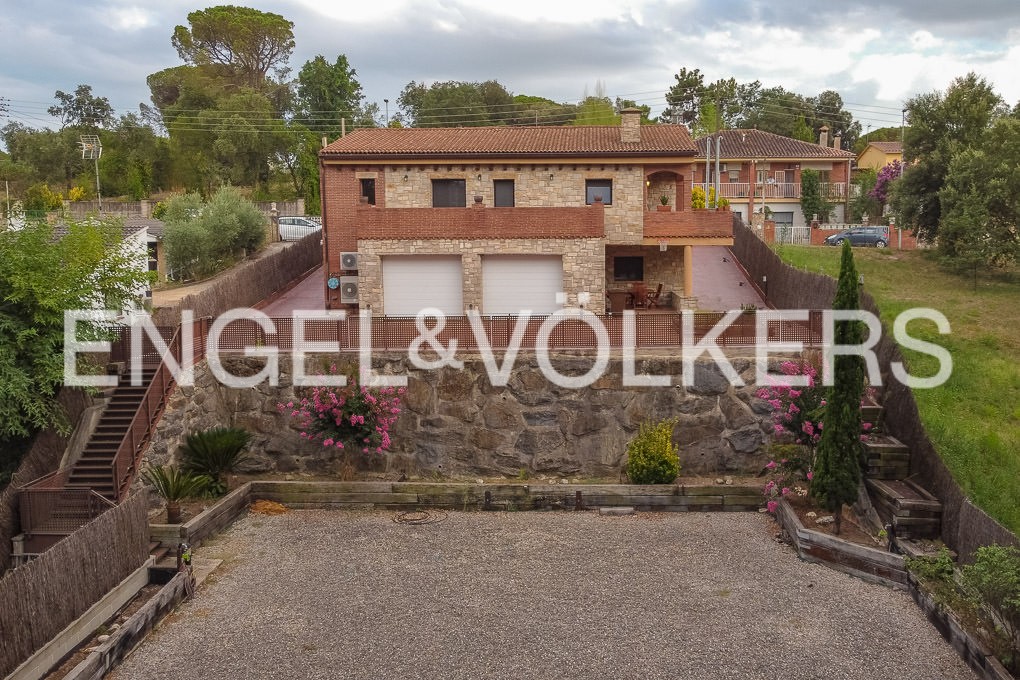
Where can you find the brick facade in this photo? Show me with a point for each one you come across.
(479, 222)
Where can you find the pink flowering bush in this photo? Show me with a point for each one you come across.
(796, 411)
(797, 416)
(353, 418)
(785, 477)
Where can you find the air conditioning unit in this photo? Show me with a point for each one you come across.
(349, 261)
(349, 289)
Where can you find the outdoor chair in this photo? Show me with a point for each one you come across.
(652, 298)
(640, 293)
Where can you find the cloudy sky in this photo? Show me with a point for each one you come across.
(875, 53)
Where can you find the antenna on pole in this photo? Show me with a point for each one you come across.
(91, 150)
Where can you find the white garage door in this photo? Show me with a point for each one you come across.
(412, 283)
(511, 283)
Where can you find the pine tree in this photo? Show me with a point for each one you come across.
(837, 474)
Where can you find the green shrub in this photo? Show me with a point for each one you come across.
(933, 568)
(652, 456)
(213, 453)
(995, 577)
(174, 485)
(202, 238)
(41, 197)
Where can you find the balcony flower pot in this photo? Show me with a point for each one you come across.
(663, 208)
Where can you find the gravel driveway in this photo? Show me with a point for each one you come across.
(349, 594)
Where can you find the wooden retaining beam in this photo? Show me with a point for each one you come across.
(49, 655)
(110, 653)
(971, 650)
(913, 511)
(460, 496)
(887, 458)
(870, 564)
(214, 520)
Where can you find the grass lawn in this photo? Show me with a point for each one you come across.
(974, 418)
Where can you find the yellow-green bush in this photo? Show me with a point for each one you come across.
(697, 198)
(652, 457)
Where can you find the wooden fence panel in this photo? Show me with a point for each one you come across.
(964, 526)
(249, 284)
(42, 459)
(40, 598)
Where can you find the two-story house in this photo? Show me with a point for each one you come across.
(760, 169)
(504, 219)
(877, 155)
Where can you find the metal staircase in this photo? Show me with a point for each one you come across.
(95, 467)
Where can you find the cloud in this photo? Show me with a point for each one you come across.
(923, 40)
(875, 53)
(131, 18)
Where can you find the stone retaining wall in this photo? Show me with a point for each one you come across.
(456, 423)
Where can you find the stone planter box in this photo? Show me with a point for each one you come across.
(913, 511)
(887, 458)
(870, 564)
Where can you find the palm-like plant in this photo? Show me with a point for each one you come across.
(174, 485)
(214, 453)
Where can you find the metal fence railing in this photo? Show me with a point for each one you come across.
(391, 333)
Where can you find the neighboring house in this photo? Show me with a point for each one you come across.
(500, 219)
(156, 260)
(877, 155)
(759, 169)
(137, 241)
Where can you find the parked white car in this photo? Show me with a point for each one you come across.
(296, 228)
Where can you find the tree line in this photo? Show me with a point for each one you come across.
(232, 113)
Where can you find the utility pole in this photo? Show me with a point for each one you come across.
(903, 124)
(92, 149)
(387, 103)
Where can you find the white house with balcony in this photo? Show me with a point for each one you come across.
(760, 169)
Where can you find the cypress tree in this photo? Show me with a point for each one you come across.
(837, 473)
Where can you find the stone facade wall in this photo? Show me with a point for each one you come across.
(666, 268)
(582, 264)
(455, 422)
(534, 187)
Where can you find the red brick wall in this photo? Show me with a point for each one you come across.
(341, 191)
(477, 222)
(689, 224)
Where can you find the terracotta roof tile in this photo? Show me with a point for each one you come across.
(888, 147)
(739, 144)
(510, 141)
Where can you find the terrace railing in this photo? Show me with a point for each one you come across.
(396, 333)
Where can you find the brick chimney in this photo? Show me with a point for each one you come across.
(837, 142)
(823, 136)
(630, 125)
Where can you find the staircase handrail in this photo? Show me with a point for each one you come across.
(125, 460)
(38, 507)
